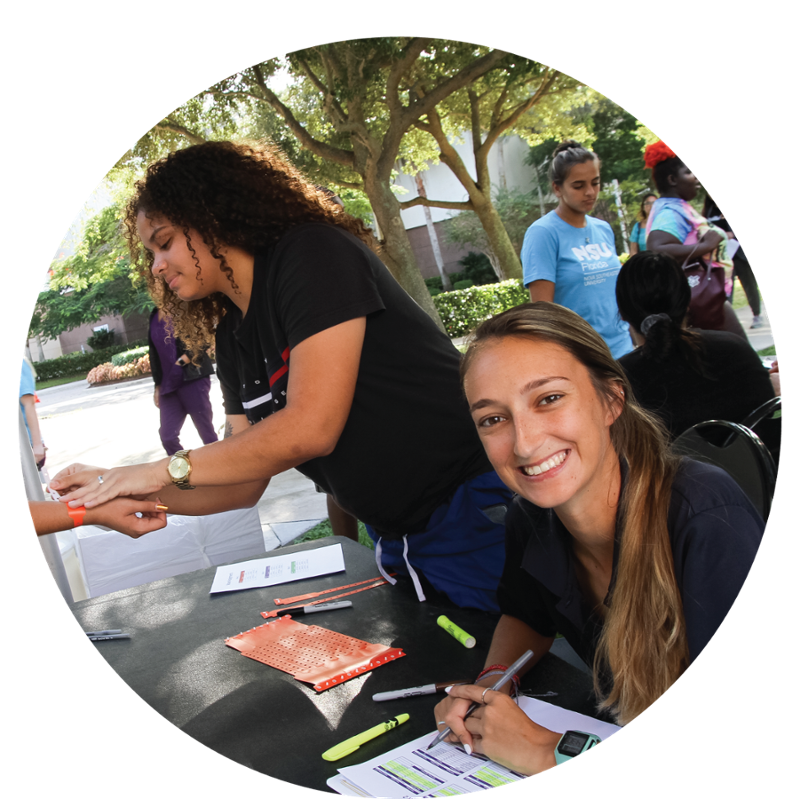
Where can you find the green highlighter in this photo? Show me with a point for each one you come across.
(352, 744)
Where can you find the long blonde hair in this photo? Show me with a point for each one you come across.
(643, 643)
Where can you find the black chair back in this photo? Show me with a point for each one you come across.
(765, 422)
(739, 451)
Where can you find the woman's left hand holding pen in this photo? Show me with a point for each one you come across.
(500, 730)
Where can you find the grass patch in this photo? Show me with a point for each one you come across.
(767, 351)
(739, 297)
(59, 381)
(323, 530)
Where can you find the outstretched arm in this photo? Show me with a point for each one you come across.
(322, 380)
(119, 514)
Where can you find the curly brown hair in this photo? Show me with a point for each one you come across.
(234, 194)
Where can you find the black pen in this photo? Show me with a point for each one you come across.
(104, 632)
(345, 603)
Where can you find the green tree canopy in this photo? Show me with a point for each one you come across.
(96, 280)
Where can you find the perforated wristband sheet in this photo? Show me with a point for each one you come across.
(310, 653)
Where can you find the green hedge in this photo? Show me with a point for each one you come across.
(77, 363)
(462, 311)
(121, 358)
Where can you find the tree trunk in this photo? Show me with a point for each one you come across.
(480, 195)
(397, 252)
(437, 253)
(508, 263)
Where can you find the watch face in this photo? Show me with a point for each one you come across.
(178, 468)
(572, 743)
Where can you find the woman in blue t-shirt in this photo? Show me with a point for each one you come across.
(569, 257)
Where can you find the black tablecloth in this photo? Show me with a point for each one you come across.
(263, 718)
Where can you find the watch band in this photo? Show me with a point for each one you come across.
(572, 743)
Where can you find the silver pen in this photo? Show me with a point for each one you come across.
(422, 690)
(115, 637)
(506, 678)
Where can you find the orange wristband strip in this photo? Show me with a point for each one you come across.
(77, 515)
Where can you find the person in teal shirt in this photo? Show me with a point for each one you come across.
(27, 404)
(638, 239)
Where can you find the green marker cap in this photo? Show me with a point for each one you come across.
(462, 636)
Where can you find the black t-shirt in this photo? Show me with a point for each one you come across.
(736, 383)
(714, 531)
(409, 440)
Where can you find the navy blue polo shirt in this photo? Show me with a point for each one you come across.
(714, 530)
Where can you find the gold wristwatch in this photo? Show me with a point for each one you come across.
(179, 468)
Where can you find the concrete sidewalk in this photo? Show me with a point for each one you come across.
(760, 338)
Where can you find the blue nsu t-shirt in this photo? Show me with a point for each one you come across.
(583, 264)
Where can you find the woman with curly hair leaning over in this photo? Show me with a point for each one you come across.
(633, 554)
(325, 363)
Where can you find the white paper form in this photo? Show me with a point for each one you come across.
(412, 771)
(279, 569)
(446, 770)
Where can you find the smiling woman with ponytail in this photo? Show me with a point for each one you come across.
(633, 554)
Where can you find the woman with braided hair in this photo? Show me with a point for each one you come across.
(325, 365)
(685, 376)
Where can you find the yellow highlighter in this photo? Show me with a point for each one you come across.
(352, 744)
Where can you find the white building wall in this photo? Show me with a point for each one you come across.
(506, 166)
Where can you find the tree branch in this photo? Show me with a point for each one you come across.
(456, 206)
(448, 155)
(344, 184)
(522, 108)
(408, 56)
(323, 150)
(422, 104)
(475, 119)
(329, 101)
(171, 126)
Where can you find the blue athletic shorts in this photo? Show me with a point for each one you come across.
(462, 550)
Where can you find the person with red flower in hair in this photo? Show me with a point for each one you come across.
(674, 227)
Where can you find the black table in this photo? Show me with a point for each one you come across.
(263, 718)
